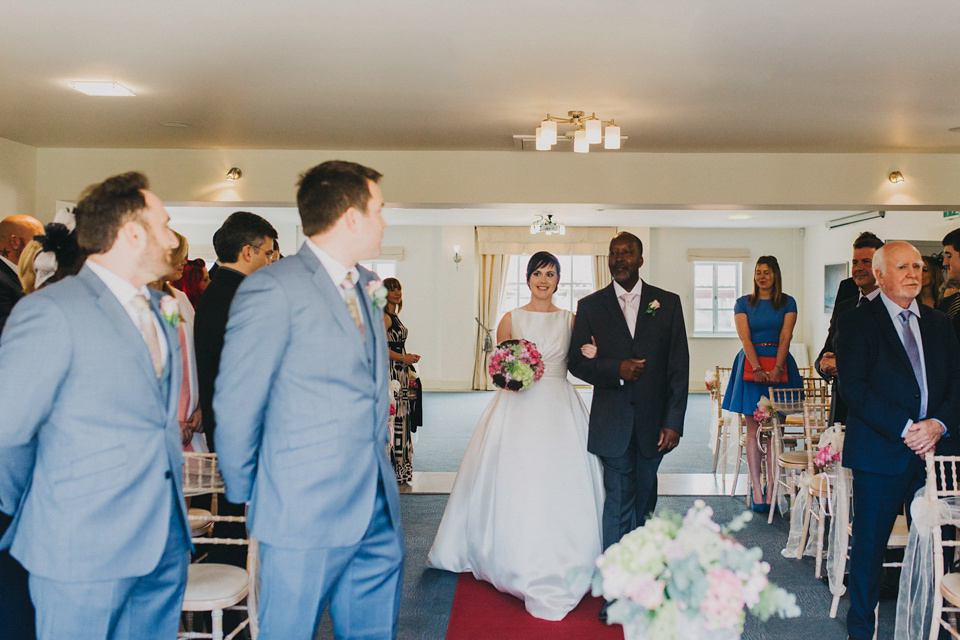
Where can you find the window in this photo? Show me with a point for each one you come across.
(716, 287)
(383, 268)
(576, 281)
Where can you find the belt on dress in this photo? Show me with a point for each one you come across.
(766, 344)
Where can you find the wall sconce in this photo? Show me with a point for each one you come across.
(234, 174)
(895, 177)
(456, 256)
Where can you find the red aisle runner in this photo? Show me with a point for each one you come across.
(480, 611)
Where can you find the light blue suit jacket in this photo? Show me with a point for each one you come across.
(91, 444)
(302, 408)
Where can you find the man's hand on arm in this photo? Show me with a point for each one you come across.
(631, 368)
(828, 363)
(923, 436)
(669, 439)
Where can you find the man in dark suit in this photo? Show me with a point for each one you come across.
(15, 233)
(243, 243)
(951, 262)
(640, 376)
(900, 366)
(861, 287)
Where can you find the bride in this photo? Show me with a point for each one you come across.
(527, 503)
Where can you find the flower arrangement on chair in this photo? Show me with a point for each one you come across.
(686, 577)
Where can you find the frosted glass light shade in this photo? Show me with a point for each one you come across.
(594, 134)
(548, 129)
(611, 139)
(542, 143)
(580, 144)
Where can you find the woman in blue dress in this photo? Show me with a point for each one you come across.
(765, 320)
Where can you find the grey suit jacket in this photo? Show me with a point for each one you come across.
(302, 407)
(94, 435)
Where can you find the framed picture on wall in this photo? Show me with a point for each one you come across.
(832, 275)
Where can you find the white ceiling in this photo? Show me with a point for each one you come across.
(677, 75)
(501, 216)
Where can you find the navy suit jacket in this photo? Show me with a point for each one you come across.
(880, 388)
(659, 397)
(10, 292)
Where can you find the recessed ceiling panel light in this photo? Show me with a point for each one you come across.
(101, 88)
(175, 124)
(740, 216)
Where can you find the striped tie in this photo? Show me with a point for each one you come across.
(350, 297)
(149, 331)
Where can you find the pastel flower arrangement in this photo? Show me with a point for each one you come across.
(710, 380)
(515, 365)
(652, 308)
(765, 411)
(830, 448)
(377, 293)
(170, 311)
(687, 577)
(394, 390)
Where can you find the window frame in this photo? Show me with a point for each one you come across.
(715, 286)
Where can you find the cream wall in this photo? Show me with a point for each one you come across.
(437, 178)
(670, 269)
(18, 180)
(828, 246)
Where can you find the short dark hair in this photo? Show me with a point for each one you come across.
(952, 239)
(326, 191)
(237, 231)
(626, 235)
(867, 240)
(542, 259)
(107, 206)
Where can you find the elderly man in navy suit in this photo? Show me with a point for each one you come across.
(302, 404)
(900, 366)
(99, 516)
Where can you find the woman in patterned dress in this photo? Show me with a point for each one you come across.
(401, 445)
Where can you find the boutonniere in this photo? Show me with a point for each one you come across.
(653, 307)
(377, 293)
(170, 311)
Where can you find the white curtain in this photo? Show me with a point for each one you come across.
(601, 271)
(493, 271)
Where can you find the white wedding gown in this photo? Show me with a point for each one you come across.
(527, 503)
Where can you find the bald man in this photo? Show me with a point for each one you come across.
(15, 233)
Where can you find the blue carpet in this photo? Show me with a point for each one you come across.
(449, 420)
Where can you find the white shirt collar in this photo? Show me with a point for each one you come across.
(870, 296)
(123, 290)
(895, 310)
(15, 268)
(619, 291)
(334, 269)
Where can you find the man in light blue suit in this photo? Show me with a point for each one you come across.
(302, 411)
(92, 452)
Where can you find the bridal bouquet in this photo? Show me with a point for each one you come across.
(515, 365)
(677, 578)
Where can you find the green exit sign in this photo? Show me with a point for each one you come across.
(951, 214)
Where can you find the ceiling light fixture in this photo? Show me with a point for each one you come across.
(234, 174)
(587, 130)
(855, 218)
(895, 177)
(113, 89)
(740, 216)
(545, 224)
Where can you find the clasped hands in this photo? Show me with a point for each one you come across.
(923, 436)
(630, 369)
